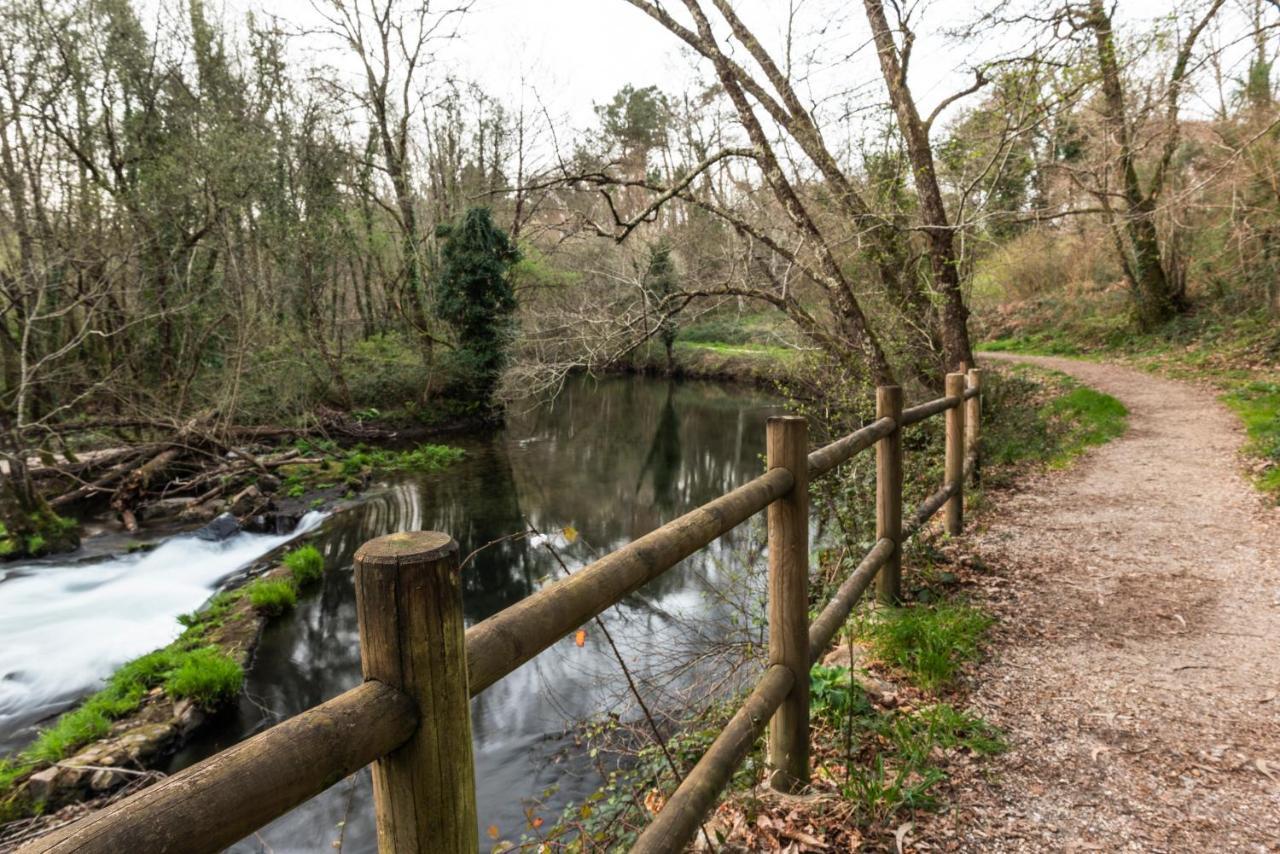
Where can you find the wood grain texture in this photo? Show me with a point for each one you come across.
(889, 494)
(955, 455)
(973, 425)
(412, 637)
(842, 450)
(787, 447)
(228, 796)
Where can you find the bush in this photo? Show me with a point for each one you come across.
(306, 564)
(1046, 261)
(207, 675)
(272, 597)
(384, 371)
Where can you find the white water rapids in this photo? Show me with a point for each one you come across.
(66, 627)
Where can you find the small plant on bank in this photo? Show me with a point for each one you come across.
(928, 642)
(306, 564)
(208, 676)
(272, 597)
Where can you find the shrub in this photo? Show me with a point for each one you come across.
(306, 564)
(207, 675)
(272, 597)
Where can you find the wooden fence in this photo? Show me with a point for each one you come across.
(411, 718)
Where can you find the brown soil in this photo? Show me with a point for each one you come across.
(1137, 668)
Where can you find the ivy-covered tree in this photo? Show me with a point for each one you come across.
(475, 296)
(660, 283)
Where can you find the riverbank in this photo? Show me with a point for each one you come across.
(149, 707)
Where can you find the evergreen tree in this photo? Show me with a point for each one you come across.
(660, 282)
(476, 297)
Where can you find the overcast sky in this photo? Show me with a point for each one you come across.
(577, 53)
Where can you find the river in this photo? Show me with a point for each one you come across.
(610, 459)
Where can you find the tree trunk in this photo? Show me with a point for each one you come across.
(942, 255)
(1157, 298)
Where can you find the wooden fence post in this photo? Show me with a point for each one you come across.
(889, 493)
(955, 454)
(787, 444)
(973, 423)
(412, 637)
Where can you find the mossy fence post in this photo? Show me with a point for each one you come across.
(955, 454)
(787, 446)
(412, 637)
(889, 493)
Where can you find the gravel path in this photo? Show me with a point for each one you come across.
(1136, 671)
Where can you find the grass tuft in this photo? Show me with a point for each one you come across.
(928, 642)
(272, 597)
(306, 564)
(207, 675)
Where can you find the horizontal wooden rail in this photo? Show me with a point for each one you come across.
(228, 796)
(677, 824)
(508, 639)
(919, 413)
(824, 628)
(828, 457)
(927, 510)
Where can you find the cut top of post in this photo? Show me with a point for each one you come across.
(406, 548)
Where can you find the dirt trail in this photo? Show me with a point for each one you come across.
(1137, 667)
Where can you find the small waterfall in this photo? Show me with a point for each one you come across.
(65, 627)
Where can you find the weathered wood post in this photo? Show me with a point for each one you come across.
(973, 423)
(955, 454)
(889, 493)
(412, 637)
(787, 446)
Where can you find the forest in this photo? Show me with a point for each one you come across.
(257, 261)
(206, 233)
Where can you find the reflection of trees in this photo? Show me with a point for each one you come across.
(663, 460)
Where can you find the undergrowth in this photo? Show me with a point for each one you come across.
(929, 643)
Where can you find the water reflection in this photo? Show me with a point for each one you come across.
(613, 459)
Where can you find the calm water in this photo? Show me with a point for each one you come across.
(613, 459)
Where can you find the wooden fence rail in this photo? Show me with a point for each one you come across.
(411, 720)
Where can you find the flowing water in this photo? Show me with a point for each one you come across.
(612, 460)
(64, 626)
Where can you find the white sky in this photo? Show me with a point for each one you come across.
(577, 53)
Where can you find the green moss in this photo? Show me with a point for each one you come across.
(272, 597)
(306, 564)
(207, 675)
(348, 466)
(928, 642)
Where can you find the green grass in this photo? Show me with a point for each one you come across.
(206, 675)
(1258, 406)
(272, 597)
(1034, 344)
(928, 642)
(349, 465)
(765, 350)
(894, 764)
(1093, 418)
(306, 564)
